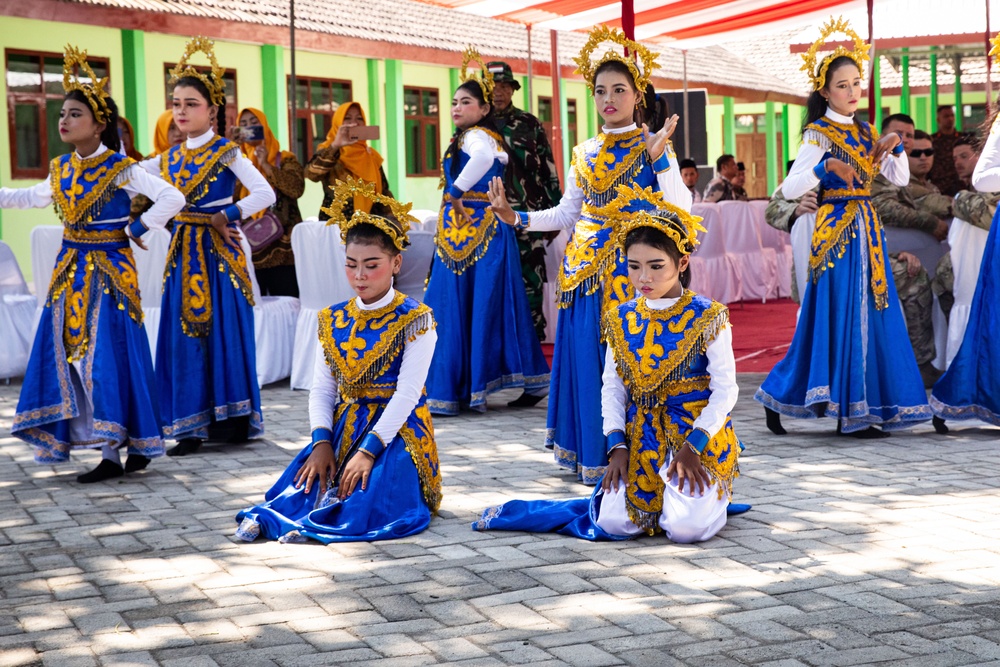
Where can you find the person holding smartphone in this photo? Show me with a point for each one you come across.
(273, 260)
(345, 153)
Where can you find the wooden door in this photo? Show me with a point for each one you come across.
(751, 150)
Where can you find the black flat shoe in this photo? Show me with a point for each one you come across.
(525, 400)
(136, 462)
(870, 433)
(773, 420)
(939, 426)
(185, 447)
(105, 470)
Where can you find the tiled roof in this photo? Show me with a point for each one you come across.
(412, 23)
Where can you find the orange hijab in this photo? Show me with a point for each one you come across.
(161, 137)
(358, 158)
(130, 147)
(270, 145)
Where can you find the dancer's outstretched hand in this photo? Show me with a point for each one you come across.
(656, 143)
(498, 202)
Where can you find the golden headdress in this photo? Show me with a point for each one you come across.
(859, 54)
(586, 65)
(74, 61)
(213, 80)
(637, 207)
(482, 75)
(397, 227)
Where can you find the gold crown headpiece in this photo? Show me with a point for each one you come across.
(484, 77)
(586, 65)
(637, 207)
(396, 227)
(74, 61)
(213, 81)
(859, 54)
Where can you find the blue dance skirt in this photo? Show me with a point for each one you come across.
(970, 388)
(849, 360)
(116, 373)
(575, 430)
(486, 337)
(207, 378)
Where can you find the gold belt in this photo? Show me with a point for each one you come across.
(193, 218)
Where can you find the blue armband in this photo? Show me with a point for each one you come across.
(522, 220)
(820, 169)
(137, 228)
(322, 434)
(372, 444)
(698, 438)
(615, 439)
(661, 164)
(233, 213)
(454, 192)
(898, 150)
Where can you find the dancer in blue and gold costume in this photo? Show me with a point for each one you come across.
(89, 381)
(593, 278)
(850, 358)
(669, 385)
(205, 354)
(488, 340)
(970, 388)
(371, 471)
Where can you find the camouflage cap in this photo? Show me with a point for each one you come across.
(502, 73)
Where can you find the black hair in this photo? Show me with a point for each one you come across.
(199, 85)
(816, 105)
(639, 115)
(921, 135)
(365, 233)
(688, 163)
(968, 139)
(943, 107)
(723, 159)
(109, 137)
(788, 166)
(654, 238)
(487, 122)
(741, 167)
(896, 117)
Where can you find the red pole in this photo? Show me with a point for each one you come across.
(557, 138)
(871, 83)
(628, 18)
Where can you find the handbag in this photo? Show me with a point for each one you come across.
(263, 231)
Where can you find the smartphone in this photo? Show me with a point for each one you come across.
(363, 133)
(252, 133)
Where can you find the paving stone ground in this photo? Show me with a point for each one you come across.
(856, 553)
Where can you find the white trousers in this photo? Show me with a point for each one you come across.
(684, 518)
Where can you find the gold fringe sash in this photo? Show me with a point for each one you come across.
(76, 202)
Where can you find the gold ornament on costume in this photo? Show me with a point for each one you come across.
(996, 46)
(586, 65)
(344, 192)
(213, 81)
(484, 77)
(74, 61)
(859, 55)
(682, 227)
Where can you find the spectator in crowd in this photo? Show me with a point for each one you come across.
(925, 193)
(943, 174)
(965, 153)
(532, 185)
(273, 262)
(720, 188)
(689, 174)
(128, 139)
(739, 183)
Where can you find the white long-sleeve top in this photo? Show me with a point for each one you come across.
(986, 177)
(261, 193)
(482, 149)
(167, 200)
(802, 178)
(566, 213)
(417, 355)
(722, 383)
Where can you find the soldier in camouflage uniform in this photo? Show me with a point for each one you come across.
(532, 183)
(912, 286)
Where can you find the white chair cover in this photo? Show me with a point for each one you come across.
(17, 316)
(417, 258)
(430, 222)
(713, 271)
(423, 215)
(757, 265)
(780, 242)
(46, 240)
(554, 254)
(968, 243)
(149, 265)
(319, 267)
(801, 238)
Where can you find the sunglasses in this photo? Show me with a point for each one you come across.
(920, 152)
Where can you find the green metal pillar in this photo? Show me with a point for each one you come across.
(786, 139)
(395, 128)
(934, 91)
(877, 82)
(593, 121)
(958, 94)
(904, 94)
(525, 102)
(454, 81)
(771, 152)
(134, 88)
(921, 117)
(275, 88)
(374, 100)
(729, 125)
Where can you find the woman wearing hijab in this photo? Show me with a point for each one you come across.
(127, 135)
(273, 263)
(166, 135)
(337, 158)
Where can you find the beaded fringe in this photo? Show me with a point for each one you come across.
(459, 266)
(407, 333)
(590, 284)
(86, 215)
